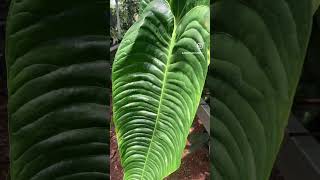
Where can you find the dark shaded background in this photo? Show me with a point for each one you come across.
(4, 159)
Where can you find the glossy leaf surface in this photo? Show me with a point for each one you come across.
(158, 76)
(259, 48)
(56, 63)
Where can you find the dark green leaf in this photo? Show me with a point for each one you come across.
(259, 48)
(56, 60)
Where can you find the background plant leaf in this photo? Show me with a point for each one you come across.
(157, 86)
(181, 7)
(258, 52)
(56, 62)
(178, 7)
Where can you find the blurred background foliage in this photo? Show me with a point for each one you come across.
(128, 14)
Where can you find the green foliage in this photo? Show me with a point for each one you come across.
(143, 4)
(157, 79)
(259, 48)
(181, 7)
(57, 106)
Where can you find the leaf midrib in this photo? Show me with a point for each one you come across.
(165, 77)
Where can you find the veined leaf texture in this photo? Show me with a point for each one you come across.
(59, 85)
(258, 52)
(157, 80)
(57, 106)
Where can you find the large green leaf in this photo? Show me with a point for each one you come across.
(178, 7)
(143, 4)
(181, 7)
(259, 47)
(157, 79)
(56, 63)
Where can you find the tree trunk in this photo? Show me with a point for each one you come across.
(118, 19)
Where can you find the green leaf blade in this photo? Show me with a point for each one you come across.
(58, 108)
(259, 48)
(157, 84)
